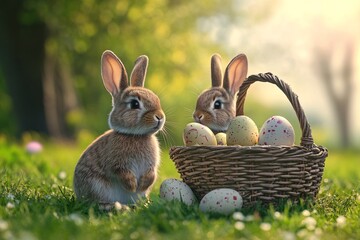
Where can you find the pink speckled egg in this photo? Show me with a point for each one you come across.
(223, 201)
(277, 131)
(173, 189)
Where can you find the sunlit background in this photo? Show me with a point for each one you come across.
(50, 61)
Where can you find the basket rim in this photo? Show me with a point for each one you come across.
(220, 150)
(257, 146)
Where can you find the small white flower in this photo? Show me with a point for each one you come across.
(306, 213)
(10, 205)
(62, 175)
(10, 196)
(326, 180)
(249, 218)
(238, 216)
(277, 215)
(117, 206)
(76, 218)
(265, 226)
(288, 236)
(302, 233)
(341, 221)
(3, 225)
(239, 225)
(309, 222)
(55, 215)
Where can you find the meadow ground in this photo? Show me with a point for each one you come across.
(37, 202)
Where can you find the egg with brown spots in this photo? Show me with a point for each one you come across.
(277, 131)
(198, 134)
(242, 131)
(223, 201)
(172, 189)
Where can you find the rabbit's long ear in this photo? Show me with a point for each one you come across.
(216, 78)
(235, 73)
(113, 73)
(138, 74)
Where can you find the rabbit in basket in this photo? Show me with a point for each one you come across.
(215, 107)
(121, 165)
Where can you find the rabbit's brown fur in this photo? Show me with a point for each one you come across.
(215, 107)
(121, 165)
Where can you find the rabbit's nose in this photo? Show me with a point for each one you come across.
(198, 118)
(159, 118)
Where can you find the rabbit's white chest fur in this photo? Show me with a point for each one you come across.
(99, 171)
(139, 155)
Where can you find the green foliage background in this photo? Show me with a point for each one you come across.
(177, 37)
(166, 31)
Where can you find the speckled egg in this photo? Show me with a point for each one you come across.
(198, 134)
(223, 201)
(278, 131)
(242, 131)
(173, 189)
(221, 138)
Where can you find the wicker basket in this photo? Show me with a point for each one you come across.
(260, 173)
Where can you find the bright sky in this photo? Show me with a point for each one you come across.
(284, 44)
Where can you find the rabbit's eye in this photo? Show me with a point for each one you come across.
(217, 104)
(134, 104)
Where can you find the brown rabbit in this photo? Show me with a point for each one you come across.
(215, 107)
(121, 165)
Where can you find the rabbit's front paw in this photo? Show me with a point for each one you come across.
(146, 180)
(129, 181)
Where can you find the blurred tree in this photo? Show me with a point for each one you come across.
(7, 125)
(338, 81)
(21, 58)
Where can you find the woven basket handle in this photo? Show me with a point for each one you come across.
(306, 138)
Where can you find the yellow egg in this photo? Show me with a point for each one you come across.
(198, 134)
(242, 131)
(221, 138)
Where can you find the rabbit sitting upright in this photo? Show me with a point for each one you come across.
(121, 165)
(215, 107)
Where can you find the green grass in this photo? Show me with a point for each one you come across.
(37, 202)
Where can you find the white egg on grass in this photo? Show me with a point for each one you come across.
(224, 201)
(277, 131)
(173, 189)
